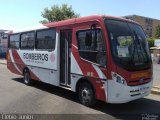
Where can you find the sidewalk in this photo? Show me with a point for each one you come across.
(156, 90)
(156, 76)
(3, 61)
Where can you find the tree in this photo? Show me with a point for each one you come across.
(58, 13)
(157, 35)
(151, 42)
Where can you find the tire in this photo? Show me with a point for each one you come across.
(26, 77)
(86, 94)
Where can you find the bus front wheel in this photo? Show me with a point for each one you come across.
(86, 94)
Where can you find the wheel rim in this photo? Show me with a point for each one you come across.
(86, 95)
(26, 77)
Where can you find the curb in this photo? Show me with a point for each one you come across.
(3, 63)
(155, 90)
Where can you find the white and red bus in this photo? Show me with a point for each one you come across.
(100, 57)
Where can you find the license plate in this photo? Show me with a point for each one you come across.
(143, 89)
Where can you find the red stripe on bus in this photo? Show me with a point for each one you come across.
(12, 68)
(89, 71)
(21, 65)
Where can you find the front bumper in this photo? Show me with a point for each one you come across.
(119, 93)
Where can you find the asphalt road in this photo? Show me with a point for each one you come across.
(17, 98)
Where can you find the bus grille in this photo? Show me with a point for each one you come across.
(138, 92)
(139, 82)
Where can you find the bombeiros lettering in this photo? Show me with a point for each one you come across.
(35, 56)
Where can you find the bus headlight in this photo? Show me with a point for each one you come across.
(118, 78)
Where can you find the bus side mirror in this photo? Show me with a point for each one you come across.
(88, 39)
(94, 32)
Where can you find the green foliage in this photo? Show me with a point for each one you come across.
(58, 13)
(128, 42)
(157, 34)
(151, 42)
(125, 41)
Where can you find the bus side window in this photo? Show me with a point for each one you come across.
(27, 40)
(14, 41)
(90, 48)
(46, 39)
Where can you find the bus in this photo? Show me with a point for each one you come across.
(102, 58)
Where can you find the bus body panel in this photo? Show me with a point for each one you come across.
(45, 71)
(118, 93)
(45, 65)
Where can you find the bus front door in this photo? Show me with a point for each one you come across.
(65, 57)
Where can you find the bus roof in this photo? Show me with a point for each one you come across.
(85, 19)
(71, 21)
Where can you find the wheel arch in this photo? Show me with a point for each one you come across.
(26, 68)
(92, 97)
(84, 79)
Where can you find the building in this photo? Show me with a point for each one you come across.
(3, 42)
(149, 24)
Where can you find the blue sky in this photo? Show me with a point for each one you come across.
(18, 14)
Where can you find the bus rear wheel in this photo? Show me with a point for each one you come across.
(26, 77)
(86, 94)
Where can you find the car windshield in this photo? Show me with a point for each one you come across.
(128, 43)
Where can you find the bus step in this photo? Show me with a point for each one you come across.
(65, 87)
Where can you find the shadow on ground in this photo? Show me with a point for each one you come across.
(134, 110)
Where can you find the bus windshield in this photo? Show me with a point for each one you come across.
(129, 46)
